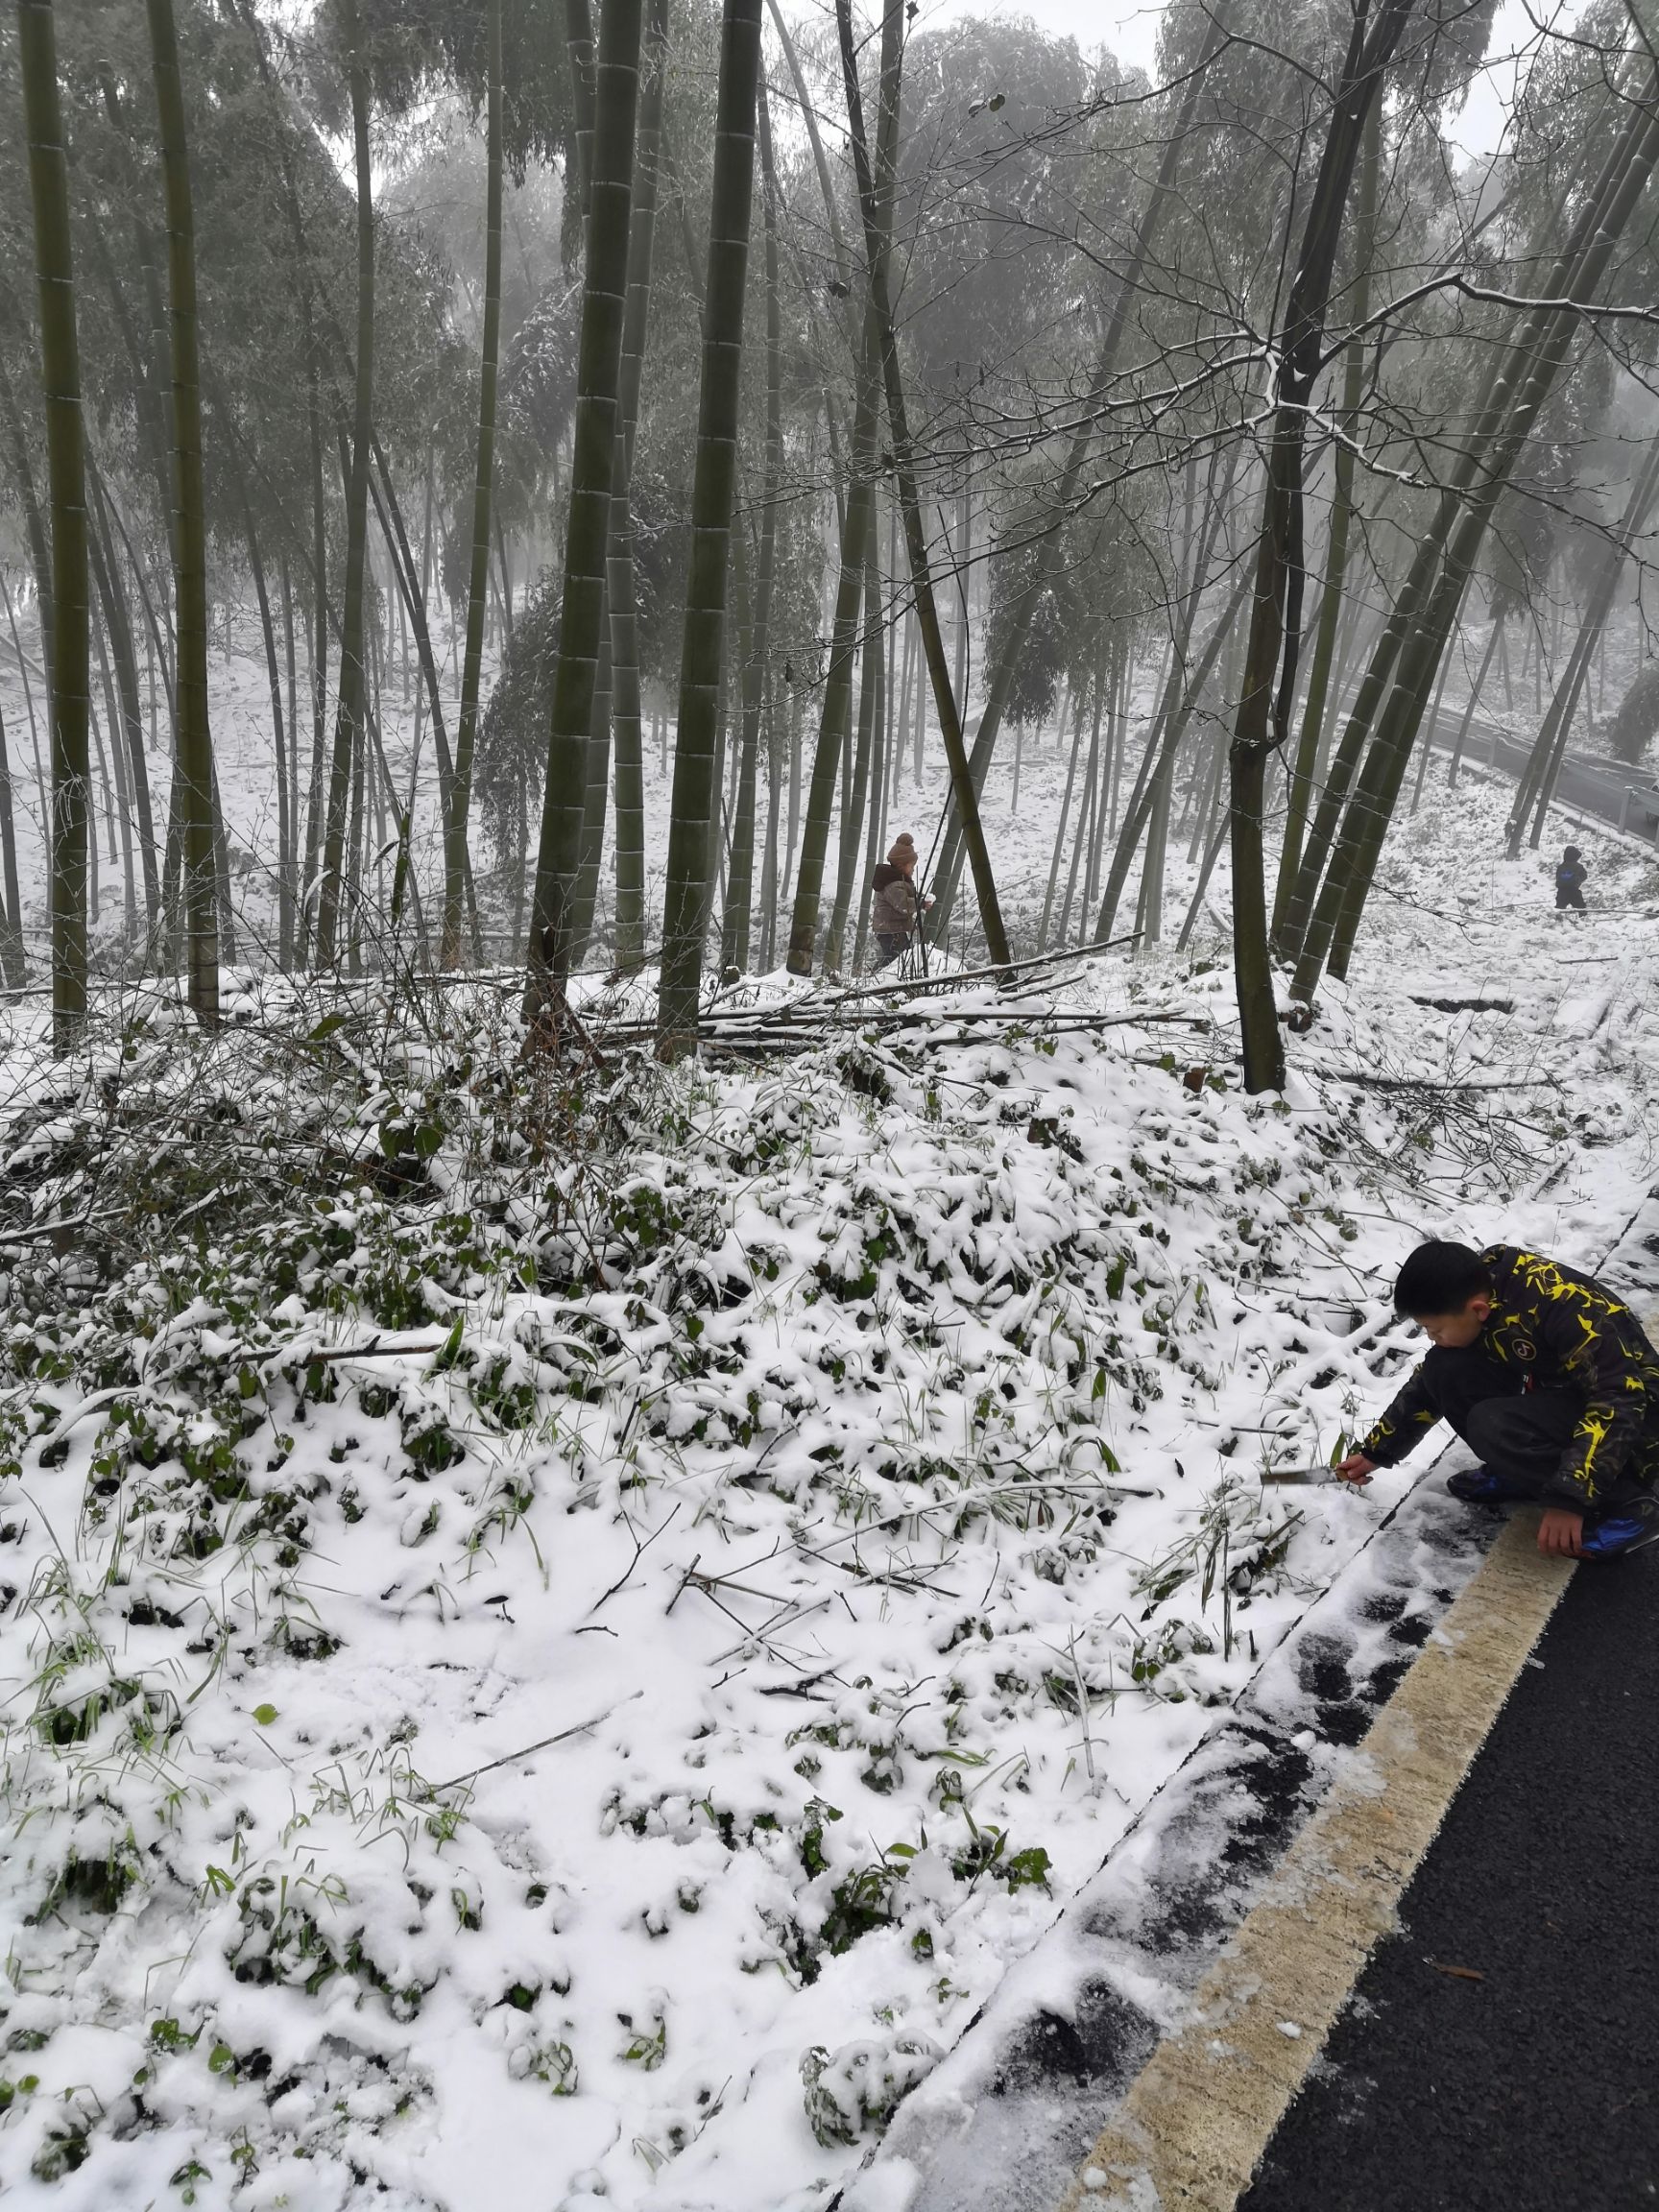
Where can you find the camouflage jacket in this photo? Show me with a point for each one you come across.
(1567, 1332)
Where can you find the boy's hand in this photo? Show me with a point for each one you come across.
(1561, 1533)
(1355, 1469)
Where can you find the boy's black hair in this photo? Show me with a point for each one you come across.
(1571, 852)
(1440, 1278)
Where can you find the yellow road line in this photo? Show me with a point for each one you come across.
(1196, 2120)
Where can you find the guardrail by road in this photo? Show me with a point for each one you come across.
(1589, 783)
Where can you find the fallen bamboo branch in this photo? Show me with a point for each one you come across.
(755, 1048)
(375, 1349)
(1371, 1082)
(762, 1030)
(38, 1231)
(914, 986)
(509, 1758)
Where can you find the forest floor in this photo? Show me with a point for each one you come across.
(572, 1629)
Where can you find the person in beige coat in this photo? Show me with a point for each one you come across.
(895, 909)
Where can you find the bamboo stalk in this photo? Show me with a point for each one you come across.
(67, 472)
(693, 809)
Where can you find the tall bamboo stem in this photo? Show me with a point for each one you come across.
(67, 473)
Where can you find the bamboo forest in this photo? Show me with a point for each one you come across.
(783, 786)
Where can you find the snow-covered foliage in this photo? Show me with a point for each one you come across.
(572, 1625)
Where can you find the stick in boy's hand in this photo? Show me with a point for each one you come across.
(1312, 1476)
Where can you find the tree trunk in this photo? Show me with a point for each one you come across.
(274, 671)
(1474, 698)
(1302, 777)
(356, 833)
(348, 720)
(906, 633)
(1212, 853)
(584, 888)
(478, 574)
(585, 894)
(1263, 715)
(114, 772)
(1102, 804)
(67, 472)
(1122, 667)
(770, 872)
(1204, 819)
(1149, 907)
(219, 846)
(848, 871)
(794, 788)
(587, 530)
(96, 737)
(1060, 825)
(734, 948)
(876, 836)
(739, 768)
(291, 659)
(424, 594)
(113, 599)
(695, 793)
(1429, 740)
(506, 568)
(875, 195)
(14, 967)
(621, 589)
(964, 570)
(411, 592)
(1087, 840)
(316, 641)
(193, 763)
(835, 713)
(39, 552)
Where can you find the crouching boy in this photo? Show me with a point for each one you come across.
(1548, 1378)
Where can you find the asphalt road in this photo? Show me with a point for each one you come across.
(1589, 783)
(1534, 2088)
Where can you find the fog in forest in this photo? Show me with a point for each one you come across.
(1128, 477)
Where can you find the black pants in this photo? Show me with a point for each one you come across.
(1573, 899)
(892, 948)
(1519, 1433)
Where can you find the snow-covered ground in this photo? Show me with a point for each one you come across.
(1022, 801)
(602, 1744)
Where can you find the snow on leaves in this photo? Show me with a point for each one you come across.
(606, 1626)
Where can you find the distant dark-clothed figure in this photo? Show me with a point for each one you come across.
(894, 907)
(1570, 881)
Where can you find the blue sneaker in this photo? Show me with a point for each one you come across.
(1480, 1486)
(1610, 1535)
